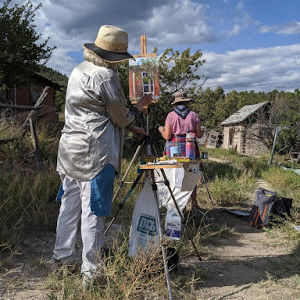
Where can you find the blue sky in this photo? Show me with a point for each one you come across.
(247, 44)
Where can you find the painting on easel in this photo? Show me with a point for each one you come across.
(143, 75)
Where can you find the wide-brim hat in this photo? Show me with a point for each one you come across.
(111, 44)
(181, 97)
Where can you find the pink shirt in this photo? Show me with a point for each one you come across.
(182, 126)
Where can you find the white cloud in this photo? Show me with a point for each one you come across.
(242, 20)
(258, 69)
(185, 22)
(166, 23)
(235, 30)
(289, 28)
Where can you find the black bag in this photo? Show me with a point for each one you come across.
(266, 205)
(282, 207)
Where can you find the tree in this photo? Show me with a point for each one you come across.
(178, 71)
(62, 80)
(123, 71)
(206, 105)
(20, 52)
(286, 112)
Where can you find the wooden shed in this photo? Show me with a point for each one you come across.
(28, 94)
(243, 130)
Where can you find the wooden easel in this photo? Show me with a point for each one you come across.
(144, 49)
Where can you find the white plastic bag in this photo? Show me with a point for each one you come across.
(144, 226)
(176, 177)
(191, 177)
(173, 225)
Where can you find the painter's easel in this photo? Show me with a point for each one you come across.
(145, 113)
(151, 168)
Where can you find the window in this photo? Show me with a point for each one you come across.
(36, 92)
(147, 83)
(231, 136)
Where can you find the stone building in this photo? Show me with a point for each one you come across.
(245, 129)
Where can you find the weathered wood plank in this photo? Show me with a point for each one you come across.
(5, 105)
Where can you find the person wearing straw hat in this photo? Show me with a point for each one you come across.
(90, 147)
(178, 123)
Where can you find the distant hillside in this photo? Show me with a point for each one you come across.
(54, 75)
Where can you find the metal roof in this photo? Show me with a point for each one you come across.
(243, 113)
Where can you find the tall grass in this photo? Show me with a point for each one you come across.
(25, 200)
(26, 193)
(140, 277)
(232, 191)
(256, 166)
(286, 183)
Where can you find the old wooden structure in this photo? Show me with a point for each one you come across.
(29, 119)
(243, 129)
(23, 98)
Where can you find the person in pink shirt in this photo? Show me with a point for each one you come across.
(178, 123)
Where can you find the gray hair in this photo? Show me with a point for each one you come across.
(97, 60)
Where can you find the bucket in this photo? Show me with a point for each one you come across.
(175, 151)
(204, 155)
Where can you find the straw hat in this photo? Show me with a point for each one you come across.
(181, 97)
(111, 44)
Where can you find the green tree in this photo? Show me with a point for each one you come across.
(21, 53)
(123, 71)
(178, 71)
(62, 80)
(286, 111)
(206, 105)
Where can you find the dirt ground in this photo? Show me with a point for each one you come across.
(246, 264)
(250, 264)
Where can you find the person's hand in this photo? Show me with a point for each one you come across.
(145, 100)
(161, 128)
(137, 130)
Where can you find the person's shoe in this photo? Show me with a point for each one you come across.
(55, 265)
(88, 282)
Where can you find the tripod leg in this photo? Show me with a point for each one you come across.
(120, 184)
(161, 238)
(123, 202)
(209, 196)
(179, 212)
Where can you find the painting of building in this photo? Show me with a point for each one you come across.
(143, 77)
